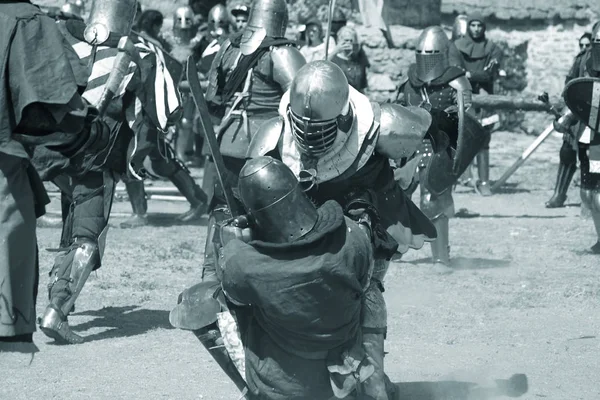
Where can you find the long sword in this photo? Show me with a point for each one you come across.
(209, 133)
(328, 35)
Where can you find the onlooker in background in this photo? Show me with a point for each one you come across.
(314, 48)
(240, 16)
(568, 152)
(459, 30)
(585, 43)
(351, 58)
(149, 26)
(482, 60)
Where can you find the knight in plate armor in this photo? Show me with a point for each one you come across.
(293, 347)
(568, 151)
(445, 90)
(248, 76)
(582, 97)
(41, 105)
(134, 114)
(339, 145)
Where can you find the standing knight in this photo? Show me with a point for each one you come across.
(447, 92)
(136, 111)
(587, 132)
(40, 105)
(339, 145)
(248, 76)
(482, 61)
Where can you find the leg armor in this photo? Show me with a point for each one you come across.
(184, 142)
(566, 170)
(69, 277)
(374, 327)
(139, 204)
(170, 167)
(439, 210)
(86, 227)
(211, 339)
(483, 169)
(590, 191)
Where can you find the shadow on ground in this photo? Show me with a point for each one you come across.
(465, 263)
(515, 386)
(162, 220)
(125, 322)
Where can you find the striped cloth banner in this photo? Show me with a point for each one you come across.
(157, 96)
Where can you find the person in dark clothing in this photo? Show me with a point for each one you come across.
(39, 97)
(568, 151)
(351, 58)
(150, 25)
(482, 60)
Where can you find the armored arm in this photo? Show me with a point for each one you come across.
(287, 60)
(401, 130)
(464, 91)
(564, 123)
(266, 138)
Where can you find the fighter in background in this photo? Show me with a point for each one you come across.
(41, 105)
(145, 101)
(445, 90)
(248, 76)
(582, 96)
(568, 151)
(482, 61)
(339, 145)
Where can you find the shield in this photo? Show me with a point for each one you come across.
(450, 161)
(582, 96)
(197, 307)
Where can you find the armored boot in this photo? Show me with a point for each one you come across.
(377, 386)
(563, 180)
(483, 169)
(68, 276)
(211, 339)
(192, 192)
(440, 248)
(139, 205)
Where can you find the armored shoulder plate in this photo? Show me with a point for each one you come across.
(402, 130)
(287, 60)
(266, 138)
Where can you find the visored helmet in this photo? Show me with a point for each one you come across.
(460, 27)
(274, 198)
(267, 18)
(319, 97)
(184, 26)
(218, 20)
(595, 50)
(432, 53)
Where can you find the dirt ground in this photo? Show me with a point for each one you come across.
(525, 298)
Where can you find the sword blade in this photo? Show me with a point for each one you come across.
(521, 160)
(211, 139)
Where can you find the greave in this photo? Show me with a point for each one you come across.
(563, 180)
(440, 247)
(483, 170)
(137, 197)
(210, 337)
(375, 386)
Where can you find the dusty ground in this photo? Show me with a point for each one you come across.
(525, 299)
